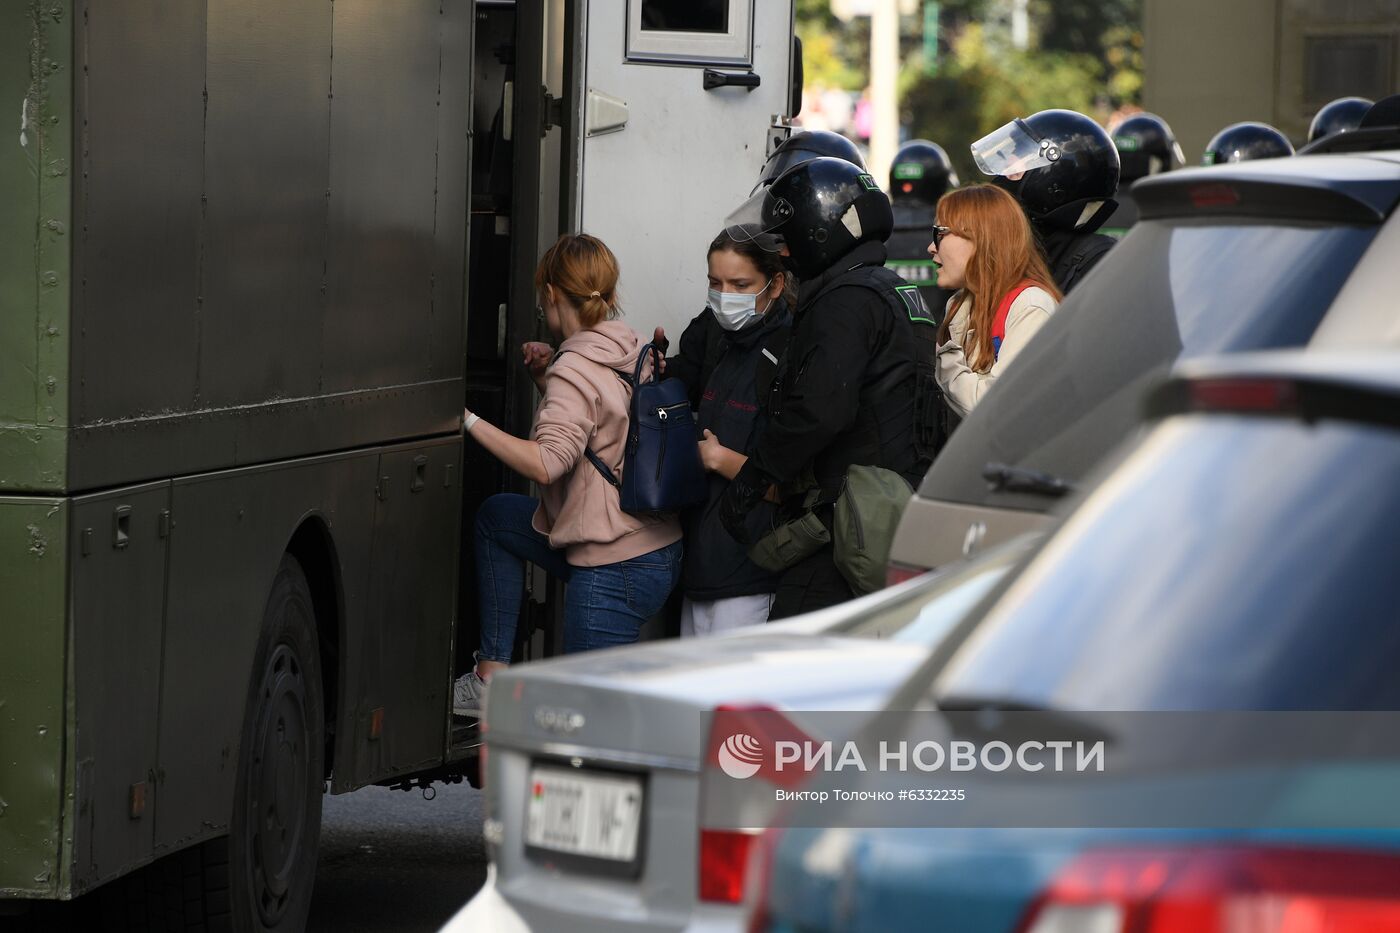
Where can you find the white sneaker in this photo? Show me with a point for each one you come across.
(469, 695)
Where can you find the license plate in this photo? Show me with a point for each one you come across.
(589, 814)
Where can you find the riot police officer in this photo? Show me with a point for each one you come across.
(844, 391)
(1064, 170)
(920, 175)
(1146, 146)
(1340, 116)
(1245, 142)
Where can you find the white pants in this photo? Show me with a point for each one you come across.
(715, 616)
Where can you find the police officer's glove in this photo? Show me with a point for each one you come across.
(745, 491)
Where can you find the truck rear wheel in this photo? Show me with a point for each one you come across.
(275, 831)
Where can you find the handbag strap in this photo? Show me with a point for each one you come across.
(602, 467)
(588, 452)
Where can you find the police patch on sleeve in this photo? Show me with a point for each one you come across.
(915, 304)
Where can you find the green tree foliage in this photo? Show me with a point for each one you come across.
(834, 54)
(1079, 26)
(1085, 55)
(986, 82)
(1109, 30)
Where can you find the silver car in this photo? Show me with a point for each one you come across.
(594, 762)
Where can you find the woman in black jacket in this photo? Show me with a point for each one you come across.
(728, 357)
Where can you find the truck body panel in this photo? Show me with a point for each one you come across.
(267, 235)
(36, 71)
(33, 672)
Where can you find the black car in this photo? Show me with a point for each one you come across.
(1255, 256)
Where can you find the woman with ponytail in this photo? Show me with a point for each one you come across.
(619, 568)
(986, 251)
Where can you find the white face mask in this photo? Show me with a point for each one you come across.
(736, 310)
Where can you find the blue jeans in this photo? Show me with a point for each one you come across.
(603, 606)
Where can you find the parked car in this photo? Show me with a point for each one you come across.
(620, 738)
(1254, 256)
(1240, 556)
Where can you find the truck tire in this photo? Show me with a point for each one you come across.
(186, 892)
(274, 832)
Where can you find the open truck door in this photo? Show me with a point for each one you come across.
(674, 102)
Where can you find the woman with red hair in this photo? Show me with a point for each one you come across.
(1004, 292)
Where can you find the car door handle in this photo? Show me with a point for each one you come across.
(716, 79)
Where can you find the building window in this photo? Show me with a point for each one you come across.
(1346, 66)
(701, 33)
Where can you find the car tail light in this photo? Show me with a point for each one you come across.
(748, 735)
(1222, 890)
(761, 873)
(897, 573)
(1205, 197)
(724, 856)
(1257, 395)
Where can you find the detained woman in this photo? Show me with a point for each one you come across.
(619, 568)
(728, 357)
(1004, 293)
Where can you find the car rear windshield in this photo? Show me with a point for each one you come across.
(1230, 563)
(932, 609)
(1172, 288)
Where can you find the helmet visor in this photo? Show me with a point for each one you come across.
(1013, 149)
(757, 220)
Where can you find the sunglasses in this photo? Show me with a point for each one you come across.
(938, 234)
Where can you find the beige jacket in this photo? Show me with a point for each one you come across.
(962, 386)
(585, 404)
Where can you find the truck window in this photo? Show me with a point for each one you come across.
(702, 33)
(685, 15)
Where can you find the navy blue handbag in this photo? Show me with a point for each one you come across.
(661, 468)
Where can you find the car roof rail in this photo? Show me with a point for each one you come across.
(1371, 139)
(1333, 190)
(1362, 388)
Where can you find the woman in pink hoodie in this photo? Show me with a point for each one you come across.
(620, 568)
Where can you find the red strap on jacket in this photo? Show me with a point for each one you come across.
(1004, 309)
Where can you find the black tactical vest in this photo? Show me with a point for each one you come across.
(906, 302)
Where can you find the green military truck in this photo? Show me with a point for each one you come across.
(254, 257)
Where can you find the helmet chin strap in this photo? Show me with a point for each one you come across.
(1083, 216)
(1012, 188)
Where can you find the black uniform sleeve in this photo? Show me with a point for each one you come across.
(821, 387)
(741, 497)
(688, 365)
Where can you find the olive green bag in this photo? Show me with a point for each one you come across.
(866, 518)
(863, 524)
(789, 543)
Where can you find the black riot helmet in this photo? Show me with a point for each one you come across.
(821, 209)
(1341, 116)
(1146, 146)
(921, 173)
(1384, 112)
(804, 147)
(1059, 164)
(1244, 142)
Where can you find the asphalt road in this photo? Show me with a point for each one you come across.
(392, 862)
